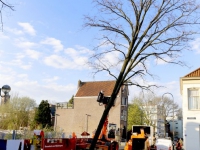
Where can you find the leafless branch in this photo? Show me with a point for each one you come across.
(137, 31)
(3, 4)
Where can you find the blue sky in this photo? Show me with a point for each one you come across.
(44, 47)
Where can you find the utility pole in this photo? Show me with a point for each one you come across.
(87, 115)
(173, 117)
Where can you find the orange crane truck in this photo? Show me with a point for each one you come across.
(140, 138)
(103, 137)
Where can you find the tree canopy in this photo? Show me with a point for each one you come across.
(16, 112)
(71, 101)
(135, 115)
(43, 114)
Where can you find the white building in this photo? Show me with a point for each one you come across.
(190, 91)
(177, 127)
(154, 114)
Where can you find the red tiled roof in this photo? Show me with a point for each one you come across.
(93, 88)
(195, 73)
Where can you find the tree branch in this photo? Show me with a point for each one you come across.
(2, 6)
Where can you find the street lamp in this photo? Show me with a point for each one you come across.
(55, 125)
(87, 122)
(173, 116)
(5, 89)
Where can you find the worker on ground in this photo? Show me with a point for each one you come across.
(146, 144)
(117, 136)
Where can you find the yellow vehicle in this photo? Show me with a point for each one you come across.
(141, 137)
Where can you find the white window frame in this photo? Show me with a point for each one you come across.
(194, 99)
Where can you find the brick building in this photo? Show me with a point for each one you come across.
(86, 112)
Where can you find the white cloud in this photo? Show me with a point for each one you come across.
(5, 77)
(76, 56)
(23, 43)
(27, 28)
(36, 90)
(75, 59)
(26, 67)
(21, 84)
(3, 36)
(172, 87)
(80, 61)
(53, 42)
(112, 58)
(19, 56)
(26, 82)
(71, 52)
(84, 50)
(55, 78)
(33, 54)
(58, 62)
(196, 45)
(2, 53)
(23, 76)
(79, 56)
(17, 62)
(14, 31)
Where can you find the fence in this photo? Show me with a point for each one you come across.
(45, 144)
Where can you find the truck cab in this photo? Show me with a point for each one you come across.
(139, 137)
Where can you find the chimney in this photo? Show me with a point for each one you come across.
(79, 83)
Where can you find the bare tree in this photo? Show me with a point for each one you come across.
(179, 114)
(4, 5)
(157, 106)
(168, 108)
(137, 32)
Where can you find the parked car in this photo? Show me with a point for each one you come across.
(163, 144)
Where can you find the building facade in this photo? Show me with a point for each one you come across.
(190, 92)
(154, 114)
(177, 127)
(86, 112)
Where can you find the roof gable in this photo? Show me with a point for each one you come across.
(195, 73)
(93, 88)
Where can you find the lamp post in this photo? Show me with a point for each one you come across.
(55, 126)
(87, 115)
(5, 89)
(173, 116)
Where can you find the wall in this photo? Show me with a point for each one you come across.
(75, 120)
(191, 123)
(177, 126)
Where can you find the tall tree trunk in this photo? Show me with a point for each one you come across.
(118, 84)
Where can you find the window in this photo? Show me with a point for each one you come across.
(124, 112)
(124, 118)
(193, 99)
(124, 101)
(123, 115)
